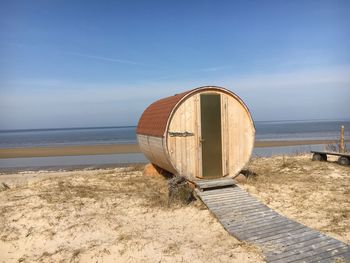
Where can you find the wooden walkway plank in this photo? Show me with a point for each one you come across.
(255, 206)
(207, 194)
(233, 218)
(230, 190)
(260, 224)
(277, 231)
(234, 202)
(281, 239)
(245, 206)
(296, 243)
(301, 248)
(233, 215)
(248, 213)
(286, 240)
(214, 183)
(238, 224)
(329, 250)
(233, 198)
(267, 229)
(292, 236)
(263, 225)
(343, 258)
(228, 198)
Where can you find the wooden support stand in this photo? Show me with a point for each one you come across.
(342, 145)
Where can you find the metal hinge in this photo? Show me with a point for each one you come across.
(180, 134)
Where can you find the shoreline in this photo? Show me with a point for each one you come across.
(68, 150)
(50, 151)
(68, 168)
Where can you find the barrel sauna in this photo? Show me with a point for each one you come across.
(204, 133)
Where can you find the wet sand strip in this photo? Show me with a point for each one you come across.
(123, 148)
(68, 150)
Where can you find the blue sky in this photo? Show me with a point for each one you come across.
(100, 63)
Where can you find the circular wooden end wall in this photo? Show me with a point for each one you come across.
(185, 142)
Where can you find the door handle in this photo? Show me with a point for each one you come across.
(181, 134)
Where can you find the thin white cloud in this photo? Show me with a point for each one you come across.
(115, 60)
(108, 59)
(212, 69)
(303, 79)
(325, 78)
(187, 74)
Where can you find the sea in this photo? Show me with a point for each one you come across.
(265, 131)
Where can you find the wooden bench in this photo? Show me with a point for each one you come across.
(344, 158)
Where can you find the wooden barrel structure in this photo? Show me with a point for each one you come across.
(203, 133)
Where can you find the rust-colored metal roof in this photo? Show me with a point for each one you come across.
(154, 119)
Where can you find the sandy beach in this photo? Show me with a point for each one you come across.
(121, 215)
(110, 215)
(122, 148)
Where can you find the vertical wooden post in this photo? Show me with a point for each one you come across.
(342, 146)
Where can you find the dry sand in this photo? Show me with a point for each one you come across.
(316, 194)
(110, 215)
(119, 215)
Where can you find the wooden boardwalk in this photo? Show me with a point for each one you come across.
(281, 239)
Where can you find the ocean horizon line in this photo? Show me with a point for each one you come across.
(134, 126)
(67, 128)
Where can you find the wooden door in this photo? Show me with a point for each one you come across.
(210, 105)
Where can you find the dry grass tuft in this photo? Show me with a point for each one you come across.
(128, 183)
(180, 193)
